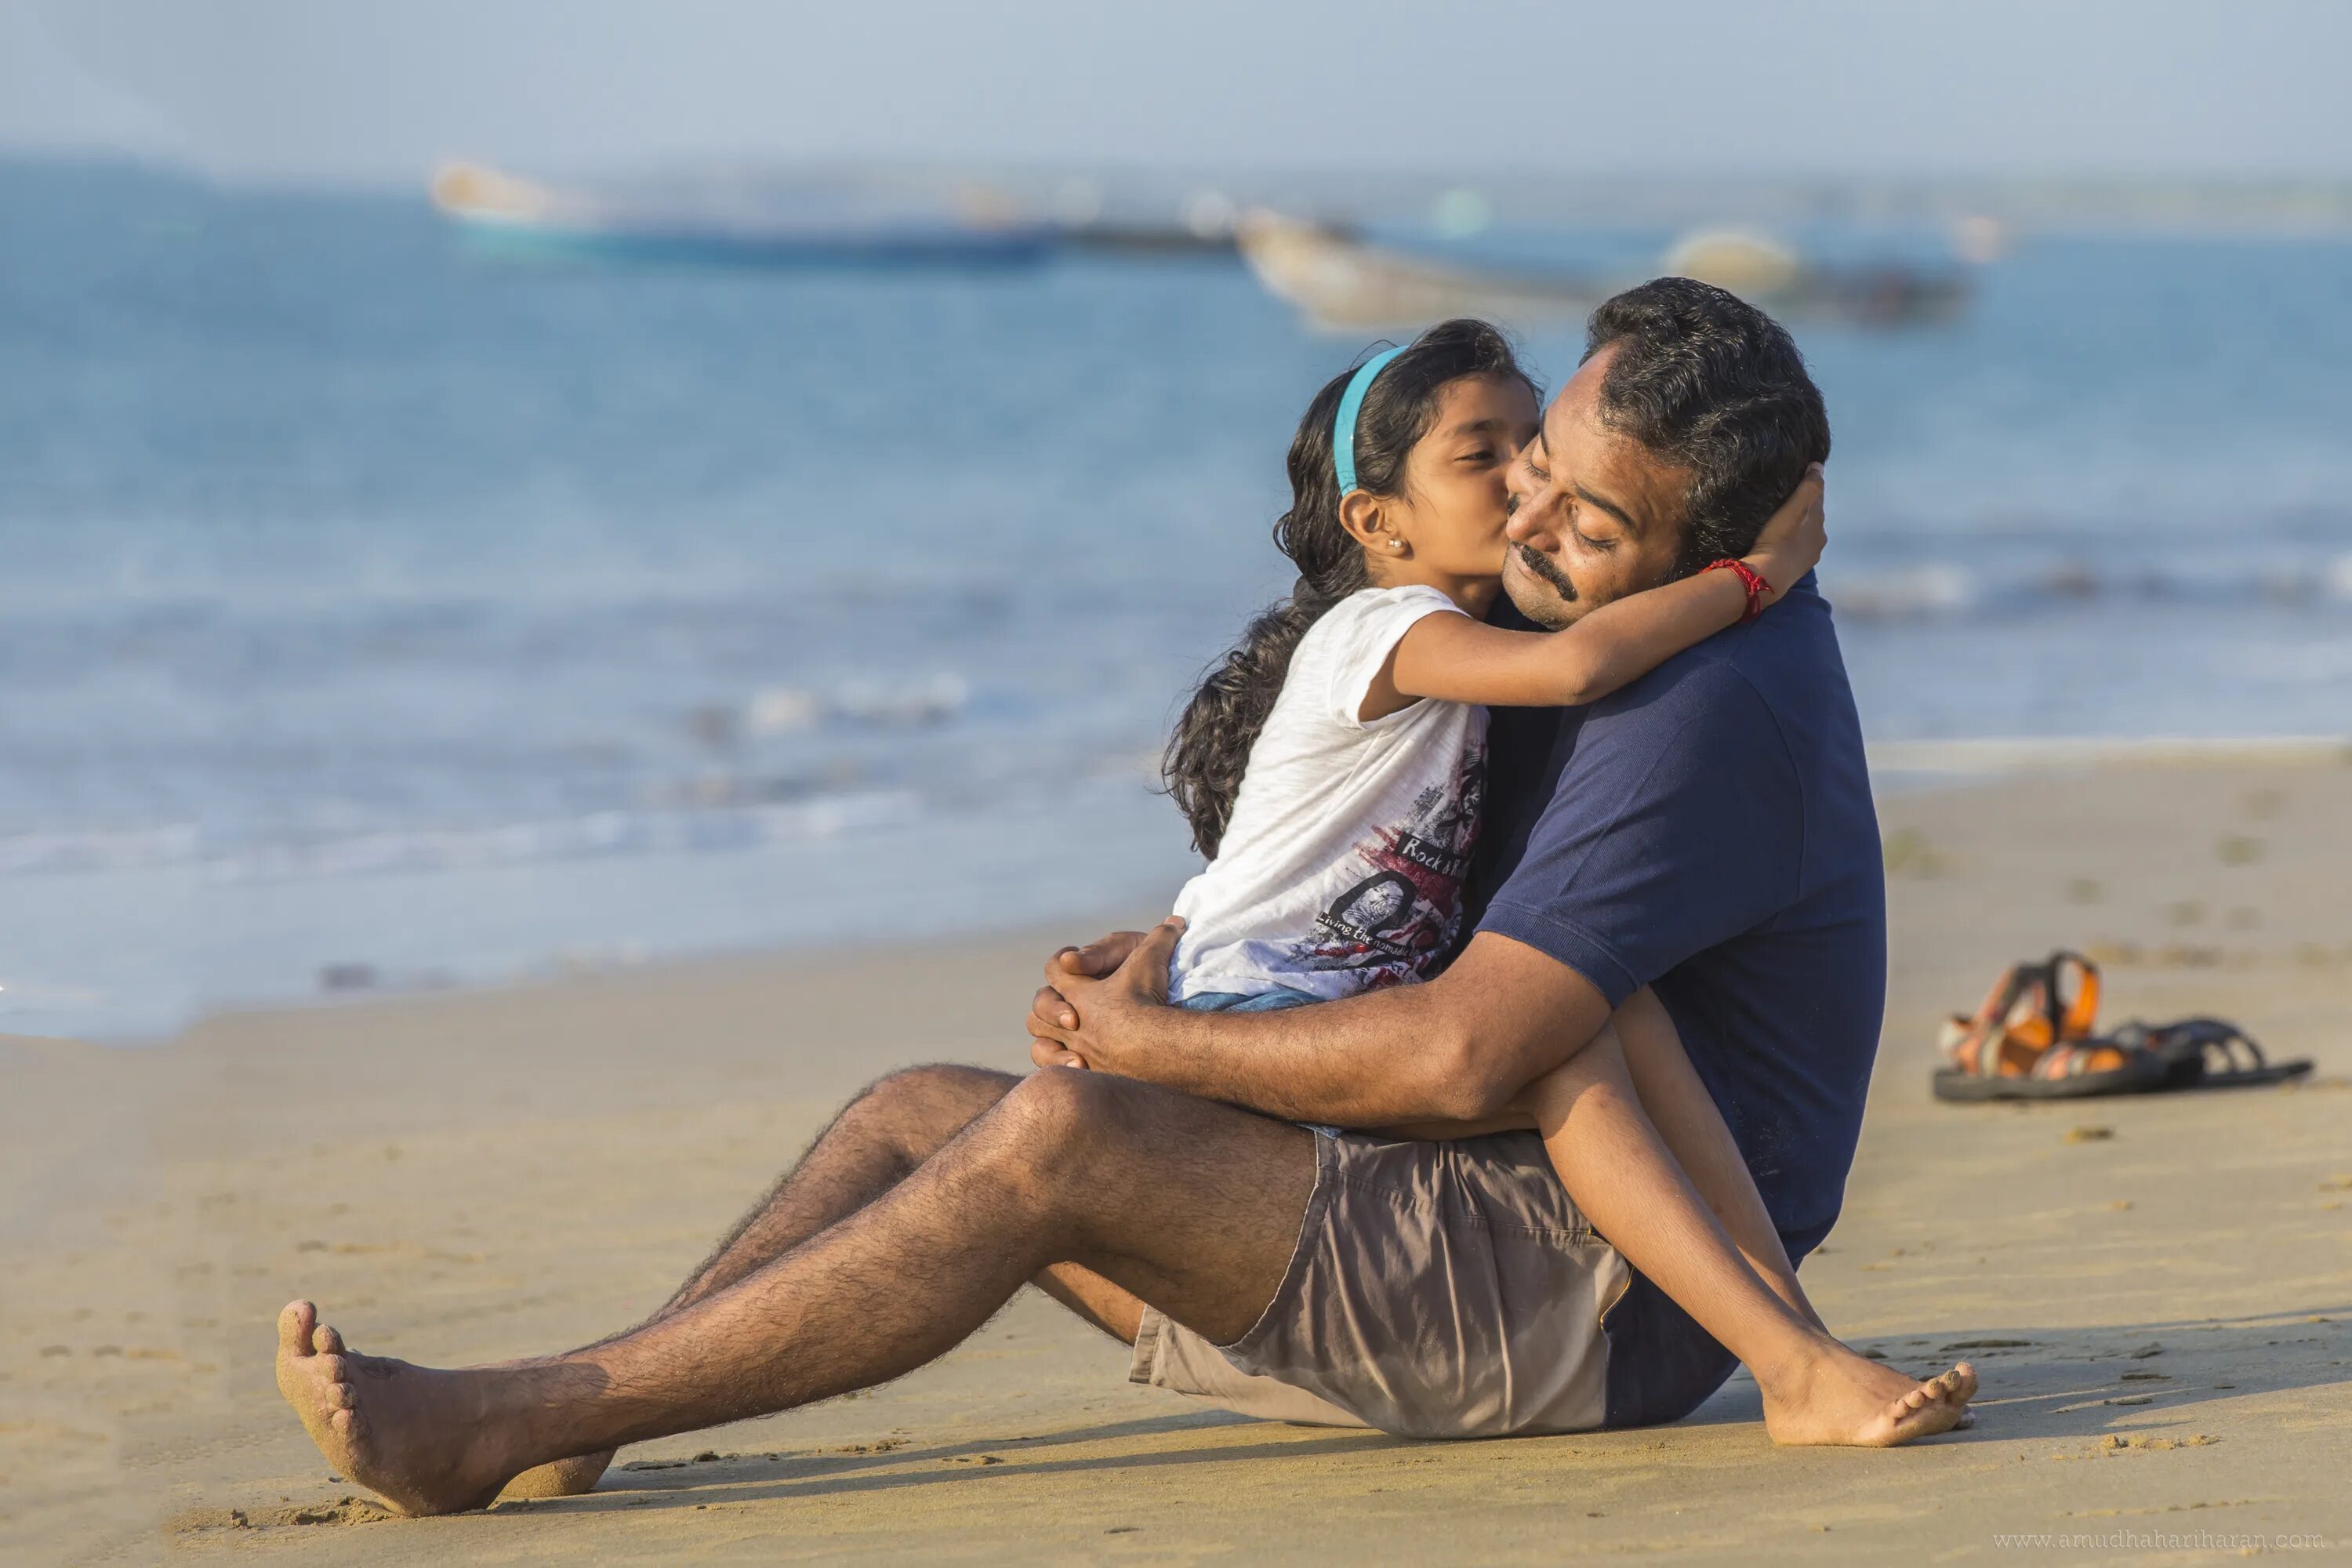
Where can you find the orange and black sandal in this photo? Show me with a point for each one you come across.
(2030, 1040)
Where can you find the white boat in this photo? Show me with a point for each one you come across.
(1341, 284)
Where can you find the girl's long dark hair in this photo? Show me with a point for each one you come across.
(1209, 751)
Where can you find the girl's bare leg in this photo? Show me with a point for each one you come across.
(1621, 1175)
(1693, 1132)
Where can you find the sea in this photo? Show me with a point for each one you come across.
(377, 616)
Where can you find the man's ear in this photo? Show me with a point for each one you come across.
(1361, 514)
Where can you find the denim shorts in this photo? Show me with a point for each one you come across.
(1272, 1001)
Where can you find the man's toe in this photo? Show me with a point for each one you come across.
(294, 1326)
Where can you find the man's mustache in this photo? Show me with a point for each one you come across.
(1545, 567)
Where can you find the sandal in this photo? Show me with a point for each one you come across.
(2030, 1040)
(2208, 1053)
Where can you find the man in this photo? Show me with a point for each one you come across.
(1707, 831)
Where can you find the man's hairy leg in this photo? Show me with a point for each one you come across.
(876, 1142)
(1191, 1205)
(1620, 1173)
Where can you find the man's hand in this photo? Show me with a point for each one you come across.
(1793, 537)
(1050, 1009)
(1074, 1017)
(1456, 1049)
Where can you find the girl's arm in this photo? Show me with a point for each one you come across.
(1458, 659)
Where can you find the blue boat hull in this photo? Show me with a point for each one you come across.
(860, 248)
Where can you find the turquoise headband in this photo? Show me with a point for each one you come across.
(1343, 424)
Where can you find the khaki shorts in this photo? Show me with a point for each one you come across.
(1437, 1290)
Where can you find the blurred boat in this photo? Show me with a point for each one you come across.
(1202, 225)
(1980, 240)
(731, 225)
(1112, 237)
(1341, 283)
(1769, 275)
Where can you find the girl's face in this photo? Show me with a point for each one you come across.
(1456, 496)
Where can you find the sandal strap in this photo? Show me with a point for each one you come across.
(1972, 1043)
(2071, 1019)
(2033, 1008)
(2182, 1036)
(2073, 1059)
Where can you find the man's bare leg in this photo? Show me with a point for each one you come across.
(1193, 1206)
(1621, 1175)
(876, 1141)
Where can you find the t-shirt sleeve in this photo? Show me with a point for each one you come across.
(1678, 824)
(1366, 630)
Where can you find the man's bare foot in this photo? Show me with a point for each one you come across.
(565, 1478)
(413, 1436)
(1837, 1397)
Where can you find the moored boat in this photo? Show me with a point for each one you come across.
(725, 226)
(1341, 283)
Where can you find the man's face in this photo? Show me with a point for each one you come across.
(1594, 515)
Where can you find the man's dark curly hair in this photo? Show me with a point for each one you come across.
(1708, 382)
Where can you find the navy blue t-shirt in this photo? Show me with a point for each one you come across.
(1708, 832)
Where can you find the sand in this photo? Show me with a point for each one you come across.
(2158, 1292)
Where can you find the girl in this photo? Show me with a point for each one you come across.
(1330, 770)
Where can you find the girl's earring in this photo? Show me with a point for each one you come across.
(1396, 544)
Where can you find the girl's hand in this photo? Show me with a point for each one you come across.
(1794, 538)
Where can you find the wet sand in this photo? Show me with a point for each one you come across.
(2157, 1292)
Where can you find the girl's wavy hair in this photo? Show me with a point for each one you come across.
(1210, 749)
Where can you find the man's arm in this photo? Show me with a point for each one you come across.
(1456, 1049)
(1678, 824)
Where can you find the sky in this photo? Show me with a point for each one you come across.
(375, 91)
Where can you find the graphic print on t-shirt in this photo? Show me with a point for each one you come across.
(1396, 920)
(1341, 867)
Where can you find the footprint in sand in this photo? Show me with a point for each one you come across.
(344, 1510)
(2121, 1443)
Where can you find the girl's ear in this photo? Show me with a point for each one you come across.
(1361, 514)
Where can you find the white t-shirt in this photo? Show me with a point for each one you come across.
(1341, 869)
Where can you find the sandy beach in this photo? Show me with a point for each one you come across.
(2158, 1291)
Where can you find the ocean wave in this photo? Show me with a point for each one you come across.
(130, 848)
(916, 702)
(1948, 590)
(2339, 579)
(1924, 590)
(593, 836)
(597, 835)
(930, 700)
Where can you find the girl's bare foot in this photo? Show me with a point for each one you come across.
(414, 1436)
(1837, 1397)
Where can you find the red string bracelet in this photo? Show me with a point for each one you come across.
(1759, 590)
